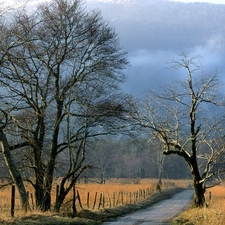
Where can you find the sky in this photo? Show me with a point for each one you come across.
(10, 2)
(158, 32)
(208, 1)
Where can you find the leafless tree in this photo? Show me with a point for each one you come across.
(10, 163)
(62, 78)
(103, 158)
(5, 111)
(157, 146)
(188, 118)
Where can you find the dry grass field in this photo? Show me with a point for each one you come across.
(113, 193)
(119, 192)
(214, 214)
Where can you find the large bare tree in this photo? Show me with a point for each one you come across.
(187, 118)
(62, 80)
(10, 162)
(5, 111)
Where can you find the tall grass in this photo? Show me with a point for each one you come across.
(111, 191)
(213, 214)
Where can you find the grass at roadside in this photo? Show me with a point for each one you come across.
(115, 191)
(91, 215)
(86, 217)
(213, 214)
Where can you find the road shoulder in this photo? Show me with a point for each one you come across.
(112, 213)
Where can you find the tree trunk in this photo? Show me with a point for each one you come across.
(39, 191)
(199, 197)
(53, 153)
(60, 200)
(46, 205)
(199, 191)
(15, 174)
(160, 168)
(62, 193)
(102, 179)
(39, 175)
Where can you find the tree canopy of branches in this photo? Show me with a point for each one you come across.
(188, 120)
(60, 74)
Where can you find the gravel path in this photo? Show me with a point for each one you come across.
(159, 214)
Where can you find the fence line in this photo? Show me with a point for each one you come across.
(104, 200)
(100, 200)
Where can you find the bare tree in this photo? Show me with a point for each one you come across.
(157, 146)
(188, 120)
(5, 111)
(63, 77)
(103, 157)
(10, 163)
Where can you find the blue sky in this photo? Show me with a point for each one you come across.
(209, 1)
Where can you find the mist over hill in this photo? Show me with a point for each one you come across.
(154, 31)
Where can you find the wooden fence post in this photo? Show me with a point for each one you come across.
(32, 200)
(103, 200)
(95, 200)
(134, 197)
(13, 201)
(88, 196)
(78, 197)
(109, 200)
(100, 201)
(118, 198)
(28, 200)
(114, 199)
(56, 193)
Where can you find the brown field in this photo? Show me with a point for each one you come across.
(214, 214)
(118, 192)
(115, 192)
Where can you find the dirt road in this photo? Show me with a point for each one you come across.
(159, 214)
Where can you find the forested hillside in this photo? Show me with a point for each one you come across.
(135, 159)
(123, 158)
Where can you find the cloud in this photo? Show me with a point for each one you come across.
(150, 70)
(154, 32)
(216, 42)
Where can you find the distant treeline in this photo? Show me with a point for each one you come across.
(132, 159)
